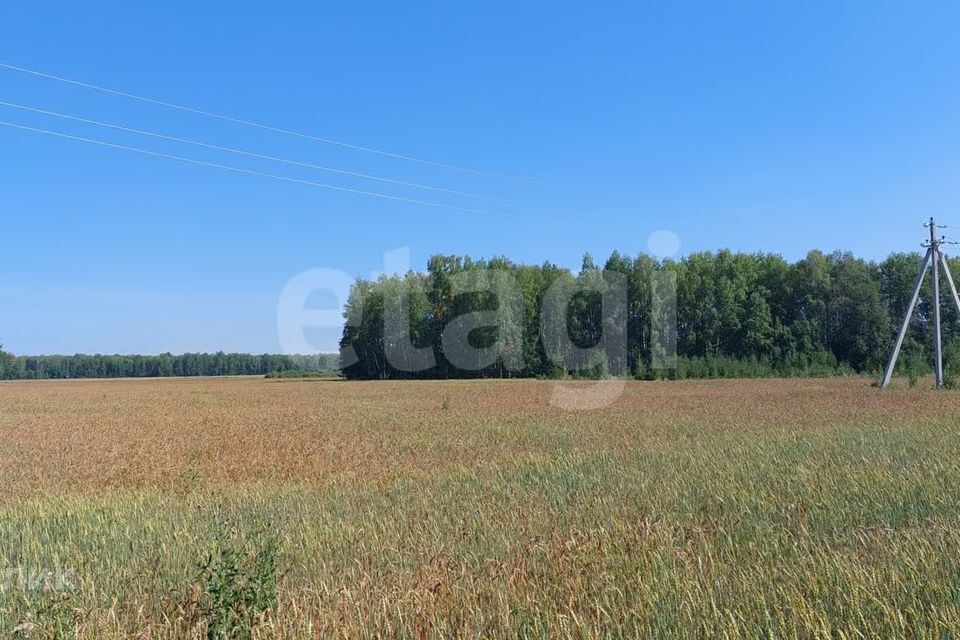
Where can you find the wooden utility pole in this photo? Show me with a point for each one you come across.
(935, 259)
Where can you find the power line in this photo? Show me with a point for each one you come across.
(248, 123)
(242, 152)
(247, 171)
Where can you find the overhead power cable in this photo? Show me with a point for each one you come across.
(251, 172)
(249, 123)
(242, 152)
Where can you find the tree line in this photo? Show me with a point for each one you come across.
(137, 366)
(736, 314)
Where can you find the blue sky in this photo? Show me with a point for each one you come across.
(762, 126)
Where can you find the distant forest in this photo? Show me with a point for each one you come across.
(134, 366)
(736, 315)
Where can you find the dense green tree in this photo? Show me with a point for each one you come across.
(727, 313)
(723, 314)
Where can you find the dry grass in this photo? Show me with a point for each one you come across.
(93, 436)
(767, 508)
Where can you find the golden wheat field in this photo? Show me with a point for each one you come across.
(244, 507)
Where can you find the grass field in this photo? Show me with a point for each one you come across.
(193, 508)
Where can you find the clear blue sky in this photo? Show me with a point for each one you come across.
(759, 126)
